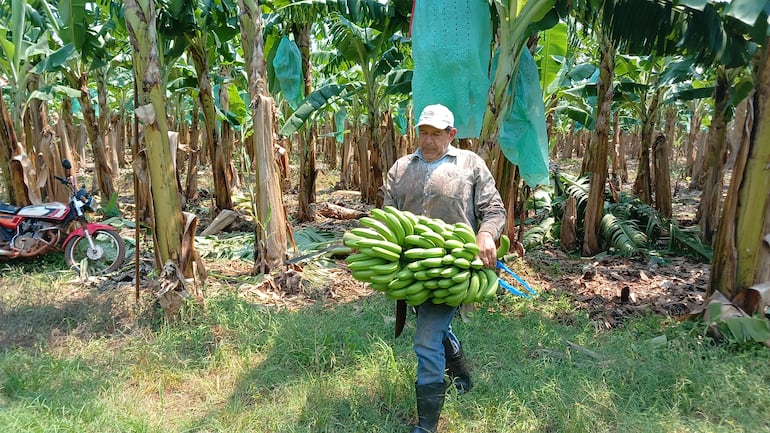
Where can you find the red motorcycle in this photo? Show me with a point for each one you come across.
(32, 231)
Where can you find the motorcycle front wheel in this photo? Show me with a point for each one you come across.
(108, 253)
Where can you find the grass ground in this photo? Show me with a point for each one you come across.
(80, 359)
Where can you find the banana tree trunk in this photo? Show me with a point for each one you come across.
(272, 230)
(71, 132)
(508, 180)
(191, 193)
(65, 148)
(346, 161)
(740, 258)
(716, 153)
(227, 138)
(168, 220)
(49, 151)
(660, 150)
(102, 168)
(306, 139)
(362, 154)
(619, 167)
(643, 181)
(307, 174)
(13, 175)
(370, 193)
(691, 145)
(596, 156)
(219, 161)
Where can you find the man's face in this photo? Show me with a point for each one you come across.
(434, 142)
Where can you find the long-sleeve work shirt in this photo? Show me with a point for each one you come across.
(457, 187)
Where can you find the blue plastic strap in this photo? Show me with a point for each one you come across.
(510, 288)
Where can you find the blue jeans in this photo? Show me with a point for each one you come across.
(433, 325)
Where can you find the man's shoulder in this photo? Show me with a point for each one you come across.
(466, 154)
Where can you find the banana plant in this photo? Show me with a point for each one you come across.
(82, 50)
(23, 43)
(374, 53)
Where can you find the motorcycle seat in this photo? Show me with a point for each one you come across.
(9, 208)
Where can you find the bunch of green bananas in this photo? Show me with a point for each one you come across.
(417, 258)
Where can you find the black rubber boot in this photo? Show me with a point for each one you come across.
(430, 400)
(457, 366)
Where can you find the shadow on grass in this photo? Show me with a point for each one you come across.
(318, 369)
(35, 312)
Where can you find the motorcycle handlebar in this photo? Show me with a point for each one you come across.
(63, 180)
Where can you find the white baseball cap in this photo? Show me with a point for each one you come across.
(437, 116)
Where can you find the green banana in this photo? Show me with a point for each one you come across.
(505, 245)
(399, 283)
(366, 233)
(371, 243)
(424, 253)
(445, 283)
(356, 257)
(492, 283)
(414, 288)
(456, 299)
(415, 266)
(417, 299)
(436, 225)
(431, 262)
(405, 221)
(460, 287)
(462, 253)
(441, 293)
(462, 263)
(350, 240)
(364, 275)
(418, 241)
(465, 232)
(361, 265)
(379, 287)
(450, 244)
(380, 228)
(482, 284)
(385, 254)
(422, 276)
(461, 276)
(386, 268)
(420, 228)
(472, 247)
(435, 238)
(395, 225)
(450, 272)
(382, 278)
(473, 289)
(404, 274)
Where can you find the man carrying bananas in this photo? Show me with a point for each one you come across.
(442, 181)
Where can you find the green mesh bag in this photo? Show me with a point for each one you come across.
(288, 70)
(523, 136)
(451, 50)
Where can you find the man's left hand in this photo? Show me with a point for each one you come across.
(488, 249)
